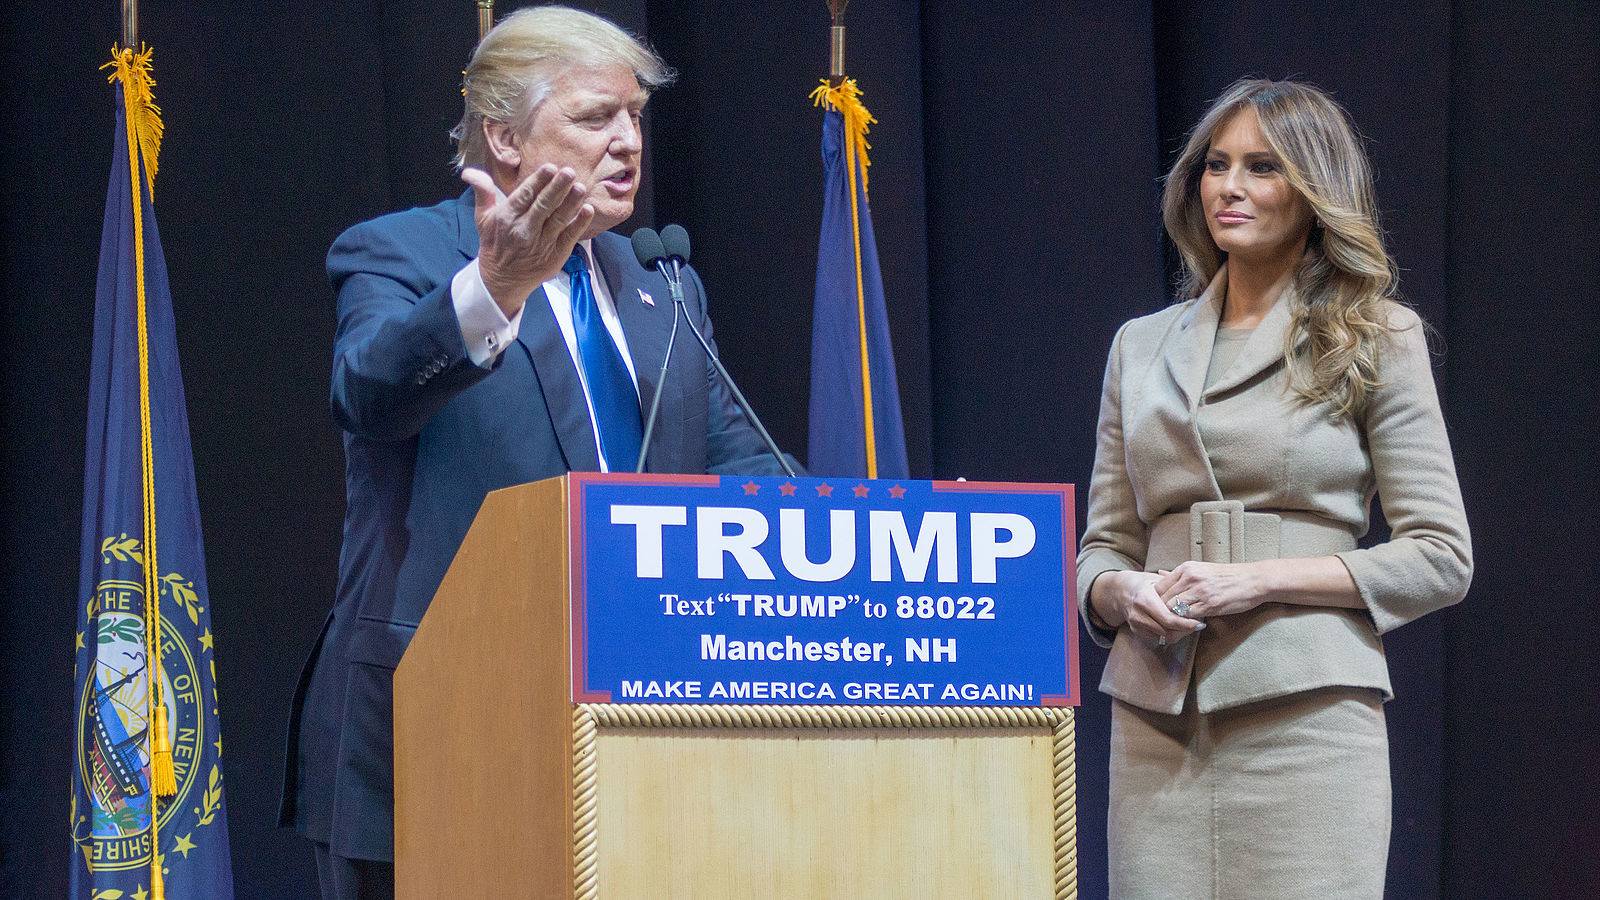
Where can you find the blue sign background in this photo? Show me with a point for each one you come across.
(647, 639)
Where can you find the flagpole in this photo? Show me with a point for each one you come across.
(854, 248)
(855, 152)
(130, 24)
(485, 17)
(836, 42)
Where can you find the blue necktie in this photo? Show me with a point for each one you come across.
(616, 403)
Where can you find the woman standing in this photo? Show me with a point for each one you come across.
(1242, 436)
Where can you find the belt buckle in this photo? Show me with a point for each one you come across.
(1216, 531)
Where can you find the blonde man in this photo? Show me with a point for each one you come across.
(497, 338)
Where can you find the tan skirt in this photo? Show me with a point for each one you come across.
(1278, 799)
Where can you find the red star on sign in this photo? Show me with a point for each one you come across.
(897, 492)
(824, 490)
(750, 487)
(786, 489)
(861, 490)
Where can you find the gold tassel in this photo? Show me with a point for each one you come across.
(162, 780)
(145, 129)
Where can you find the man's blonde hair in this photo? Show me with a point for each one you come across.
(514, 67)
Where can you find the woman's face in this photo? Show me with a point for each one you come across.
(1253, 212)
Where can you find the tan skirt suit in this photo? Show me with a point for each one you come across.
(1251, 760)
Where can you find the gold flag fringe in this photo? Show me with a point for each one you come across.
(144, 129)
(144, 117)
(845, 99)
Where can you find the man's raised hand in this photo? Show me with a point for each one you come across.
(525, 237)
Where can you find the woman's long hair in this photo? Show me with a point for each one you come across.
(1342, 285)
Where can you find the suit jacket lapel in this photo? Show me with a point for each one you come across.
(1263, 350)
(541, 337)
(466, 226)
(557, 377)
(1188, 353)
(646, 327)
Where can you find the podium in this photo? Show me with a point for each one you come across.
(517, 776)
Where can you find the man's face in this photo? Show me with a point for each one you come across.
(590, 124)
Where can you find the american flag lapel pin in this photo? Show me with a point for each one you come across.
(645, 298)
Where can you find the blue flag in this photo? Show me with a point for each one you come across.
(856, 429)
(148, 817)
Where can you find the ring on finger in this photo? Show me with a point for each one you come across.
(1181, 608)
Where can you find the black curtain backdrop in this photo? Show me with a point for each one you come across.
(1015, 177)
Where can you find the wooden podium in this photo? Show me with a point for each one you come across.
(504, 787)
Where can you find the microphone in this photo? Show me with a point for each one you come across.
(668, 253)
(651, 251)
(675, 243)
(648, 247)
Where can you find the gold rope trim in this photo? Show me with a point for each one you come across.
(1065, 751)
(845, 98)
(585, 850)
(647, 715)
(588, 718)
(144, 130)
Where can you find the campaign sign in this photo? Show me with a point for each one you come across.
(707, 589)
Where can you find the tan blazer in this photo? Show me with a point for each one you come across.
(1298, 484)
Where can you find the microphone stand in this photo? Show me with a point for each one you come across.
(671, 269)
(661, 379)
(674, 283)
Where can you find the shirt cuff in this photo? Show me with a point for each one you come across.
(484, 328)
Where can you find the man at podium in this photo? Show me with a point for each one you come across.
(497, 338)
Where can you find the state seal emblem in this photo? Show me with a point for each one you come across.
(113, 735)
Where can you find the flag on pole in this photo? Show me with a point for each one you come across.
(148, 816)
(856, 429)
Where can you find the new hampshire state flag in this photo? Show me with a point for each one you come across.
(148, 817)
(855, 400)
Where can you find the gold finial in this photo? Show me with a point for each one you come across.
(836, 42)
(130, 24)
(485, 17)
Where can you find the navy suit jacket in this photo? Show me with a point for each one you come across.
(427, 434)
